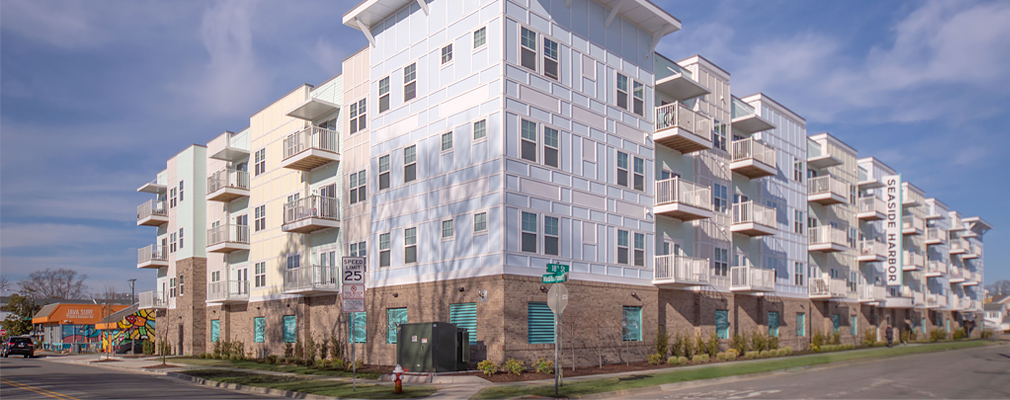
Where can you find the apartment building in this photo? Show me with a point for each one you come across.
(178, 254)
(472, 143)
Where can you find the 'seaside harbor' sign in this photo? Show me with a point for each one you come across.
(892, 229)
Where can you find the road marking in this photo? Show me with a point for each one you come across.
(38, 390)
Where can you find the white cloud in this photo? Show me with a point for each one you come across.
(326, 56)
(58, 236)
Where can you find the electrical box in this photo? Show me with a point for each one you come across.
(432, 347)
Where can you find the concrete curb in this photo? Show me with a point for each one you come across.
(245, 388)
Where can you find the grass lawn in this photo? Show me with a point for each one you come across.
(249, 364)
(311, 385)
(585, 387)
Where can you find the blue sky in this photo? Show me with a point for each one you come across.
(96, 95)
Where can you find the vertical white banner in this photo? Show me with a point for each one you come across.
(892, 229)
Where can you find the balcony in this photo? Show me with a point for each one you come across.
(871, 209)
(227, 185)
(899, 298)
(310, 148)
(753, 159)
(971, 278)
(912, 261)
(912, 225)
(152, 256)
(152, 299)
(311, 214)
(955, 275)
(153, 187)
(152, 213)
(828, 288)
(958, 246)
(312, 280)
(909, 198)
(935, 235)
(749, 279)
(866, 181)
(684, 200)
(818, 158)
(227, 238)
(228, 292)
(752, 219)
(745, 119)
(676, 82)
(871, 250)
(676, 271)
(918, 299)
(932, 301)
(827, 190)
(936, 269)
(872, 293)
(827, 239)
(682, 129)
(970, 252)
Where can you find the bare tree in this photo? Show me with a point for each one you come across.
(999, 288)
(5, 285)
(55, 284)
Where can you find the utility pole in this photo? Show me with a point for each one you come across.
(132, 295)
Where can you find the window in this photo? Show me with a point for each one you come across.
(622, 247)
(797, 170)
(447, 141)
(773, 324)
(639, 102)
(260, 159)
(719, 136)
(290, 328)
(260, 274)
(181, 286)
(622, 169)
(215, 276)
(631, 324)
(172, 198)
(181, 242)
(479, 129)
(394, 318)
(720, 197)
(836, 322)
(383, 94)
(384, 250)
(215, 330)
(384, 172)
(260, 218)
(357, 116)
(720, 263)
(529, 232)
(171, 243)
(447, 232)
(801, 324)
(640, 249)
(552, 235)
(447, 53)
(259, 329)
(550, 58)
(528, 148)
(639, 174)
(479, 37)
(539, 323)
(798, 221)
(464, 315)
(622, 91)
(181, 190)
(722, 323)
(357, 184)
(357, 249)
(409, 164)
(410, 245)
(356, 325)
(480, 222)
(294, 261)
(798, 274)
(171, 287)
(528, 51)
(551, 147)
(853, 320)
(410, 82)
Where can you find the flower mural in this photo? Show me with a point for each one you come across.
(136, 326)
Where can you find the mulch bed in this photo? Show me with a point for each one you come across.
(579, 371)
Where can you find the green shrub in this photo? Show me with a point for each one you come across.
(672, 360)
(750, 355)
(783, 352)
(937, 335)
(817, 339)
(689, 349)
(338, 364)
(913, 335)
(271, 359)
(712, 345)
(739, 344)
(986, 333)
(869, 337)
(682, 360)
(310, 351)
(655, 359)
(324, 348)
(202, 356)
(696, 359)
(235, 357)
(758, 341)
(514, 366)
(763, 354)
(544, 365)
(357, 365)
(700, 345)
(288, 350)
(731, 354)
(662, 342)
(880, 344)
(959, 334)
(836, 337)
(148, 347)
(677, 345)
(773, 343)
(720, 356)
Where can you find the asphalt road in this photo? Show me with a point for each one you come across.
(976, 373)
(38, 378)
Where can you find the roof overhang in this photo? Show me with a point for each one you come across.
(978, 222)
(313, 109)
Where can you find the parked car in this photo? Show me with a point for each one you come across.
(136, 345)
(19, 345)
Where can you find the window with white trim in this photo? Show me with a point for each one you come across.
(480, 129)
(171, 287)
(410, 82)
(294, 261)
(639, 176)
(798, 270)
(552, 235)
(798, 221)
(640, 249)
(622, 246)
(260, 218)
(719, 135)
(447, 141)
(171, 243)
(357, 183)
(181, 186)
(479, 37)
(638, 104)
(447, 53)
(720, 262)
(260, 159)
(357, 249)
(622, 169)
(550, 59)
(529, 232)
(260, 274)
(384, 247)
(171, 198)
(410, 245)
(409, 163)
(720, 197)
(447, 229)
(622, 91)
(551, 147)
(384, 172)
(181, 241)
(797, 170)
(182, 287)
(528, 49)
(528, 145)
(480, 222)
(357, 116)
(383, 94)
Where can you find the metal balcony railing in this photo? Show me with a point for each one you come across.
(913, 258)
(749, 277)
(152, 299)
(677, 190)
(313, 277)
(912, 222)
(677, 115)
(681, 269)
(228, 178)
(872, 292)
(827, 235)
(752, 148)
(228, 290)
(870, 247)
(751, 212)
(152, 253)
(936, 234)
(827, 184)
(314, 206)
(828, 287)
(872, 204)
(228, 233)
(312, 137)
(151, 207)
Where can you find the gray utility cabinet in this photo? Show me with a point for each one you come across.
(432, 347)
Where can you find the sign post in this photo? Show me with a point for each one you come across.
(352, 297)
(557, 300)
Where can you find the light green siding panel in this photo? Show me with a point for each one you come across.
(240, 140)
(331, 91)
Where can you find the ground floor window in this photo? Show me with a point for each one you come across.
(539, 323)
(836, 322)
(259, 329)
(290, 324)
(773, 324)
(853, 320)
(632, 324)
(356, 326)
(801, 324)
(394, 318)
(215, 330)
(722, 323)
(464, 315)
(923, 325)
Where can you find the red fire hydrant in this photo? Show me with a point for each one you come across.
(397, 373)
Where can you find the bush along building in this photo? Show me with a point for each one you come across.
(471, 143)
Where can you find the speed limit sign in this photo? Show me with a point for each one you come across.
(353, 272)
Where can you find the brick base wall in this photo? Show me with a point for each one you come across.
(185, 327)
